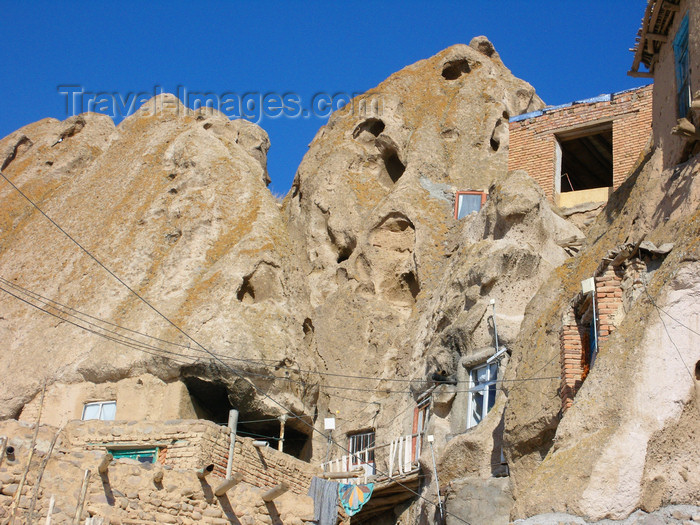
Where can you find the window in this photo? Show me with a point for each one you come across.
(585, 159)
(680, 51)
(358, 445)
(482, 392)
(467, 202)
(420, 423)
(104, 410)
(142, 455)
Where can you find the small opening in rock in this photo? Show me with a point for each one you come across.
(495, 143)
(246, 293)
(697, 370)
(308, 326)
(207, 125)
(344, 253)
(412, 282)
(49, 163)
(393, 164)
(171, 176)
(374, 125)
(454, 69)
(172, 191)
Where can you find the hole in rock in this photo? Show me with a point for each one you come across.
(172, 191)
(246, 293)
(393, 164)
(412, 283)
(455, 68)
(207, 125)
(697, 370)
(374, 125)
(344, 253)
(171, 176)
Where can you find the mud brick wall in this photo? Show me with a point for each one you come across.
(533, 140)
(183, 444)
(266, 467)
(574, 337)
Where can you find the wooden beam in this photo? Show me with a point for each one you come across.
(81, 498)
(103, 467)
(657, 38)
(205, 471)
(344, 474)
(640, 74)
(228, 484)
(640, 48)
(275, 492)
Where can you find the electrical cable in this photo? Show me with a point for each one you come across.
(260, 392)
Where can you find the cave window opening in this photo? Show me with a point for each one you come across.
(102, 410)
(361, 447)
(585, 159)
(467, 202)
(482, 392)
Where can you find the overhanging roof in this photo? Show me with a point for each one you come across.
(656, 22)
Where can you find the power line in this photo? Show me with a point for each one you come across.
(265, 394)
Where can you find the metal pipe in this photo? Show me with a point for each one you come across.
(437, 483)
(232, 425)
(260, 444)
(594, 353)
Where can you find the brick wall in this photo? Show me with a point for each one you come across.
(533, 140)
(575, 336)
(193, 444)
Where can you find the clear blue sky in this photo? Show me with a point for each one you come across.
(566, 49)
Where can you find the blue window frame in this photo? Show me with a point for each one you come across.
(142, 455)
(680, 51)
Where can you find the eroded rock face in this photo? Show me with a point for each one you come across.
(610, 453)
(173, 202)
(371, 209)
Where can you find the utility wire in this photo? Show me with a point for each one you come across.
(265, 394)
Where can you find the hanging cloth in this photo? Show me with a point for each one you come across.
(353, 497)
(325, 496)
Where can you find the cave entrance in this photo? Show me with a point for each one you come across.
(296, 443)
(209, 399)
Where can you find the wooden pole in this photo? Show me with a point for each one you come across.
(205, 471)
(233, 426)
(2, 448)
(275, 492)
(280, 443)
(81, 498)
(158, 476)
(103, 467)
(20, 486)
(52, 502)
(228, 484)
(344, 474)
(39, 475)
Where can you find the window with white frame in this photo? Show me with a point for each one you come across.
(467, 202)
(104, 410)
(358, 445)
(482, 392)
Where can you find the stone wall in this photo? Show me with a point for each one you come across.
(128, 493)
(533, 140)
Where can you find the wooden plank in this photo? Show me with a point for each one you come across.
(81, 498)
(275, 492)
(640, 49)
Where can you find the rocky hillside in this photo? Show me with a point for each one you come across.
(362, 271)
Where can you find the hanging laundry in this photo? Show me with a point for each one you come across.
(325, 496)
(353, 497)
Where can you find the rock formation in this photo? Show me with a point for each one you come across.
(358, 297)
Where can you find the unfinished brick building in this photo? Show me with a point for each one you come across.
(582, 151)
